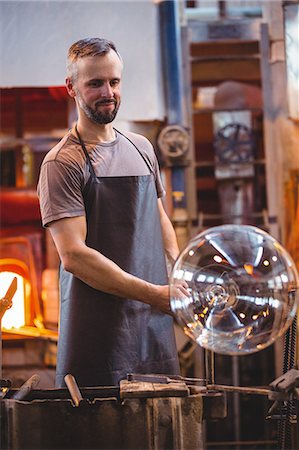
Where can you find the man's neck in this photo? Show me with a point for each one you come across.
(95, 132)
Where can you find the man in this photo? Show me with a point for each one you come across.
(100, 195)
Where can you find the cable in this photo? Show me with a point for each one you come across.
(288, 408)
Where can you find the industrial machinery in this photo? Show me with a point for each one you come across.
(234, 146)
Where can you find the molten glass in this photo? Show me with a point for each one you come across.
(234, 289)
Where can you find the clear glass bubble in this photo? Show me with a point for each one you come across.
(234, 289)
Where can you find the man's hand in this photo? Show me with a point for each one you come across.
(179, 290)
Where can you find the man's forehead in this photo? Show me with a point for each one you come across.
(107, 62)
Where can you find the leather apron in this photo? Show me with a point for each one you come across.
(103, 337)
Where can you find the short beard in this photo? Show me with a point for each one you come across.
(96, 116)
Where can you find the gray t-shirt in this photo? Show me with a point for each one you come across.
(65, 172)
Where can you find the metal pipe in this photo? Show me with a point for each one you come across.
(6, 303)
(239, 389)
(222, 9)
(172, 57)
(236, 399)
(27, 387)
(210, 367)
(171, 46)
(73, 389)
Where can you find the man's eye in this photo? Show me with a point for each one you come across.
(95, 83)
(114, 82)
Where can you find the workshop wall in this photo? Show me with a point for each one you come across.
(35, 37)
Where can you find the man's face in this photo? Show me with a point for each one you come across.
(97, 86)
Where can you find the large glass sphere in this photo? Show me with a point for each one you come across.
(234, 289)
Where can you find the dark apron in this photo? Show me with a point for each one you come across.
(103, 337)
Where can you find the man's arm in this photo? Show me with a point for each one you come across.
(99, 272)
(169, 237)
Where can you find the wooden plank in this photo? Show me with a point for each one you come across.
(206, 184)
(244, 70)
(224, 47)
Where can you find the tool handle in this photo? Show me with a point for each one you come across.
(6, 301)
(28, 386)
(73, 389)
(4, 305)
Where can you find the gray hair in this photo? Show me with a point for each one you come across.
(87, 47)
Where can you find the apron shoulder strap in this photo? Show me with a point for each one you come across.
(85, 152)
(88, 158)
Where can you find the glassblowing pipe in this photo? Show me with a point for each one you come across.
(5, 304)
(6, 301)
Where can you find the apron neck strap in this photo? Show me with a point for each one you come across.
(85, 152)
(88, 158)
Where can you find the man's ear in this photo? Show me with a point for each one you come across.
(70, 87)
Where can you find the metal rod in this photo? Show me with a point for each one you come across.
(73, 389)
(236, 399)
(210, 366)
(230, 444)
(171, 46)
(164, 379)
(240, 389)
(27, 387)
(6, 303)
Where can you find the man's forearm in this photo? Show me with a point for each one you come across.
(170, 243)
(171, 247)
(101, 273)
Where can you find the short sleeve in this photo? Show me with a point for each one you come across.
(148, 152)
(60, 191)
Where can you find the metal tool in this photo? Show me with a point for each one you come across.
(285, 385)
(73, 389)
(5, 304)
(240, 389)
(164, 379)
(26, 388)
(6, 301)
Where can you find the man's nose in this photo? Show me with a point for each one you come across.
(106, 91)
